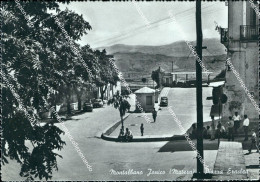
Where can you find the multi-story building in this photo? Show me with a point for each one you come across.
(241, 41)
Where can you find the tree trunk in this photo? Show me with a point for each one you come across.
(103, 91)
(112, 86)
(53, 116)
(68, 107)
(79, 95)
(79, 103)
(68, 104)
(122, 121)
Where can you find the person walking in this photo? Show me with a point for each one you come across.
(142, 129)
(230, 126)
(194, 131)
(218, 132)
(236, 119)
(208, 132)
(245, 125)
(254, 142)
(212, 128)
(204, 132)
(154, 113)
(223, 131)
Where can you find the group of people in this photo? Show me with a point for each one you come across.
(126, 136)
(229, 132)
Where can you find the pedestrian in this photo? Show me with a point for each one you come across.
(218, 132)
(208, 132)
(128, 135)
(230, 128)
(245, 125)
(121, 136)
(223, 131)
(254, 142)
(236, 119)
(142, 129)
(212, 128)
(194, 131)
(154, 113)
(204, 132)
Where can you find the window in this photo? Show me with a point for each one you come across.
(149, 100)
(252, 17)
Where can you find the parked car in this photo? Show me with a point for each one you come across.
(87, 107)
(164, 101)
(98, 103)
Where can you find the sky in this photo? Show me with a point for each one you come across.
(128, 22)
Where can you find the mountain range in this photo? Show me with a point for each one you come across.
(172, 57)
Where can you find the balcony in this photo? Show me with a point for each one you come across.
(249, 33)
(224, 36)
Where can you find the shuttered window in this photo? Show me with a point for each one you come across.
(149, 100)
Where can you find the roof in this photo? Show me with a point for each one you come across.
(145, 90)
(216, 84)
(188, 72)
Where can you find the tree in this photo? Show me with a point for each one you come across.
(107, 74)
(119, 102)
(144, 80)
(37, 62)
(156, 77)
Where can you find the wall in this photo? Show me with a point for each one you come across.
(141, 98)
(244, 57)
(245, 63)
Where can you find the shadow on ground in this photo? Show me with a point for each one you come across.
(175, 146)
(183, 145)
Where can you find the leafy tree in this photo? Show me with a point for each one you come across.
(144, 80)
(37, 60)
(107, 74)
(156, 76)
(119, 102)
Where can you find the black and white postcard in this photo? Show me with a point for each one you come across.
(129, 90)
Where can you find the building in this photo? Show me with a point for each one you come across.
(179, 79)
(110, 91)
(241, 41)
(146, 97)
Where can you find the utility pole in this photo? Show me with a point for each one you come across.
(200, 165)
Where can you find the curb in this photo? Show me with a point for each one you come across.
(105, 134)
(113, 126)
(151, 139)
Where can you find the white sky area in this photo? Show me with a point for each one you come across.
(120, 22)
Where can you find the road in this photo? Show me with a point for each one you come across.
(183, 103)
(105, 156)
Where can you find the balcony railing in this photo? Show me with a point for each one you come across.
(249, 32)
(224, 35)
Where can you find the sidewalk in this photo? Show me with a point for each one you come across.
(165, 126)
(230, 162)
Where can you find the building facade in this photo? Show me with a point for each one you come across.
(241, 41)
(146, 98)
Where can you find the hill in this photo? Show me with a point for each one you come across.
(177, 56)
(176, 49)
(146, 63)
